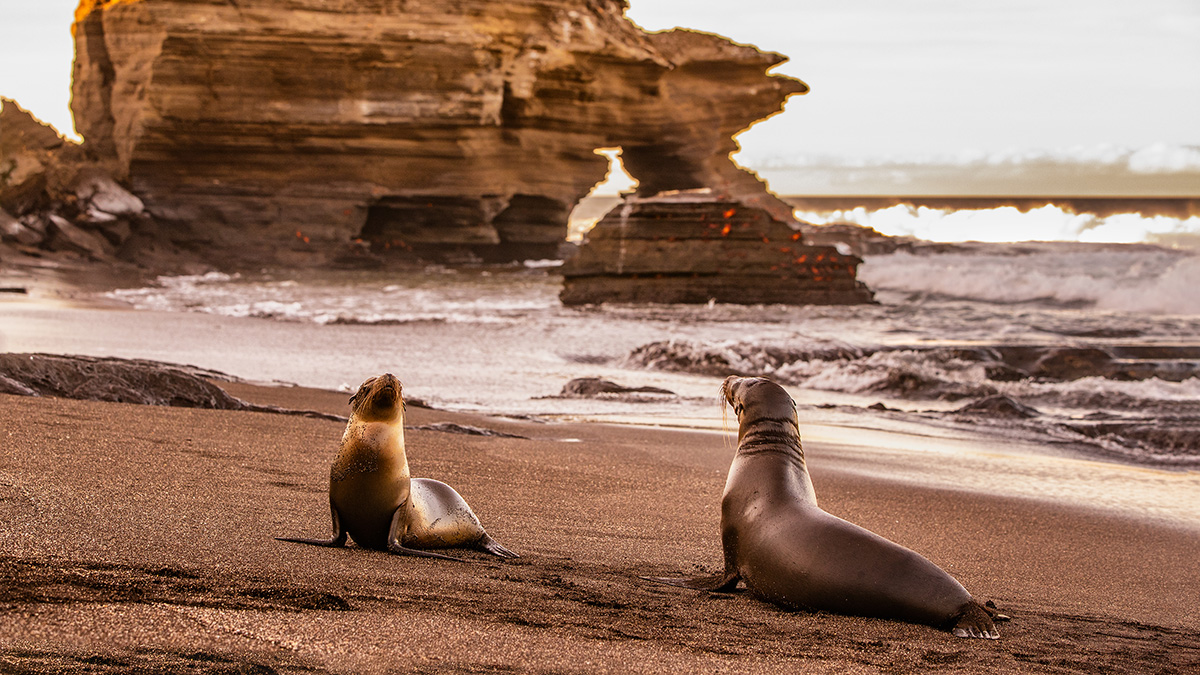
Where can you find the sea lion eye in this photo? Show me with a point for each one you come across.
(363, 390)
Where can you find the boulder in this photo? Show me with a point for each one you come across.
(66, 236)
(117, 380)
(592, 387)
(14, 230)
(1073, 363)
(101, 199)
(998, 406)
(111, 379)
(413, 126)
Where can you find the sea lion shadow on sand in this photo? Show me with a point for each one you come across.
(373, 499)
(788, 551)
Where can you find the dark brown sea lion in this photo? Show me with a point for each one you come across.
(372, 497)
(790, 552)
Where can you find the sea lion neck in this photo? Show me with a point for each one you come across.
(770, 434)
(766, 416)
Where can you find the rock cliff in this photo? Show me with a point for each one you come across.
(52, 199)
(293, 128)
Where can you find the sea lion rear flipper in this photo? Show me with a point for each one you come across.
(339, 534)
(994, 612)
(725, 582)
(974, 621)
(494, 547)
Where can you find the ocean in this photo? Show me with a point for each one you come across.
(1076, 349)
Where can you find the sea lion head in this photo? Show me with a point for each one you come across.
(379, 399)
(756, 399)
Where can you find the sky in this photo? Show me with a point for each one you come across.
(914, 78)
(904, 81)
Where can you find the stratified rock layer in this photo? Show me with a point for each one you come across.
(692, 248)
(273, 127)
(27, 150)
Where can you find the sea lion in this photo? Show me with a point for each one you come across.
(790, 552)
(373, 499)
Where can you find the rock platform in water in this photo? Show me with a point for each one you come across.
(690, 247)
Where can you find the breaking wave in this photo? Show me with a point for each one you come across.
(1081, 345)
(1109, 278)
(428, 296)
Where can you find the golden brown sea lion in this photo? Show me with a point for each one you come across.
(790, 552)
(372, 497)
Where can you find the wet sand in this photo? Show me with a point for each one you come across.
(140, 538)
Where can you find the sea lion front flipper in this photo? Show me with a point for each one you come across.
(404, 550)
(724, 582)
(396, 534)
(489, 545)
(339, 534)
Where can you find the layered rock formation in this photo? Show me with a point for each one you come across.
(53, 199)
(28, 149)
(278, 127)
(688, 247)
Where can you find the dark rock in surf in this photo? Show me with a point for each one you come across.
(1162, 440)
(466, 430)
(592, 387)
(125, 381)
(116, 380)
(914, 385)
(999, 372)
(1000, 407)
(1073, 363)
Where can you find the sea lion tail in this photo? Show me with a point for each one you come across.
(725, 582)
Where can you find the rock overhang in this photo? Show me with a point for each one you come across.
(244, 123)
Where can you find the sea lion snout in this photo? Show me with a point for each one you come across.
(754, 398)
(731, 391)
(378, 397)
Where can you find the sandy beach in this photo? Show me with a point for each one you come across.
(141, 538)
(562, 225)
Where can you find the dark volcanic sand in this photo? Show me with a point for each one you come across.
(140, 538)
